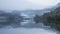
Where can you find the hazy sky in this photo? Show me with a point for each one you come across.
(26, 4)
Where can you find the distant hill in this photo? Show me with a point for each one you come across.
(51, 18)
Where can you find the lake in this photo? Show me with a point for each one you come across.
(28, 26)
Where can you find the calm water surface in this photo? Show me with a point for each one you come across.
(28, 26)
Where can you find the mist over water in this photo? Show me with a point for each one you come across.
(26, 10)
(28, 26)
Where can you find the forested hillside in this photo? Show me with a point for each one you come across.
(50, 19)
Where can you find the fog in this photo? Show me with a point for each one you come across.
(27, 26)
(22, 22)
(26, 9)
(26, 4)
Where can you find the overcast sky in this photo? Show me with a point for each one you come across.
(26, 4)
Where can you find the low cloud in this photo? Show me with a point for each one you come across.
(9, 19)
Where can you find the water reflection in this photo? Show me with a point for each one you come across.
(26, 31)
(27, 26)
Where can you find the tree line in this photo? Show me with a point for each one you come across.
(51, 19)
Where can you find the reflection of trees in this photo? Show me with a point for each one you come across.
(52, 19)
(37, 19)
(10, 18)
